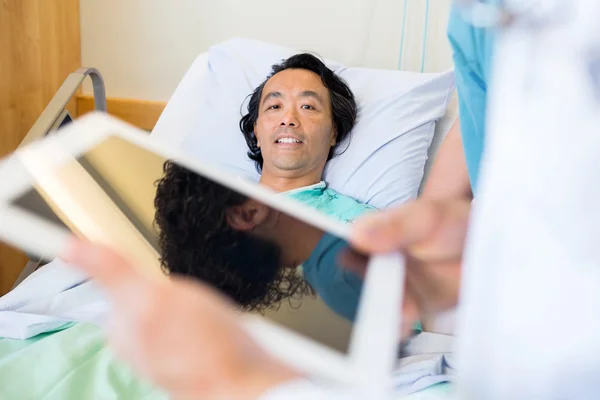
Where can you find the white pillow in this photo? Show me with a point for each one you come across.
(383, 162)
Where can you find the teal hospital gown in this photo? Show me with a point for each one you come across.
(330, 202)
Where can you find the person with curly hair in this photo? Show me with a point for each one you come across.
(296, 119)
(246, 249)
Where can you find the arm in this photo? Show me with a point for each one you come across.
(448, 180)
(449, 177)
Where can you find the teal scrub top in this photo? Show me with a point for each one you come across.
(472, 53)
(339, 288)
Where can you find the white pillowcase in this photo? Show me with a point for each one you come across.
(382, 163)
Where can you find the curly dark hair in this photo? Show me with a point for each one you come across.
(195, 240)
(343, 104)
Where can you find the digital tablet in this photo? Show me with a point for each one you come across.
(98, 178)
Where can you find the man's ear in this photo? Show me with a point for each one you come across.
(334, 138)
(247, 216)
(256, 136)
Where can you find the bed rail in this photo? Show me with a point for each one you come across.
(55, 111)
(53, 117)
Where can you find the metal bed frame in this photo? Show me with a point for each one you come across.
(54, 116)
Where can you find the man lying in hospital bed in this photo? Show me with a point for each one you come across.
(413, 139)
(295, 120)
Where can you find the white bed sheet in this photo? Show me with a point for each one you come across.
(51, 297)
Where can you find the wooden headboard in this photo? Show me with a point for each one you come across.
(141, 113)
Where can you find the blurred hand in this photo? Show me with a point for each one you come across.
(182, 335)
(431, 234)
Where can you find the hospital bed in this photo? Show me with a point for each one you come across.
(180, 112)
(55, 116)
(180, 118)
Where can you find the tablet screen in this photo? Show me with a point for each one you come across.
(265, 260)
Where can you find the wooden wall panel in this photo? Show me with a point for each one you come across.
(39, 46)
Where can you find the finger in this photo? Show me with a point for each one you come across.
(394, 229)
(410, 314)
(425, 228)
(445, 243)
(435, 285)
(107, 267)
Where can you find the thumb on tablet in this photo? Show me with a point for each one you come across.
(397, 228)
(104, 265)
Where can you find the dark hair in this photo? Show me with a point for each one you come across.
(343, 104)
(195, 240)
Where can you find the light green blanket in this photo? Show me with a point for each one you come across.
(72, 363)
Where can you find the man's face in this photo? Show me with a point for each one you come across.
(294, 128)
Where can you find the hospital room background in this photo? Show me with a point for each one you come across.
(144, 48)
(144, 57)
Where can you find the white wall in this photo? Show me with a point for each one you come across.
(143, 47)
